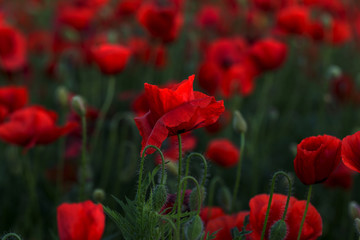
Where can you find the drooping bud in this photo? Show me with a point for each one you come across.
(357, 225)
(239, 123)
(62, 96)
(159, 197)
(225, 198)
(194, 228)
(278, 230)
(195, 197)
(78, 105)
(99, 195)
(354, 210)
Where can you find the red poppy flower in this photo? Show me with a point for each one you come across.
(341, 177)
(223, 152)
(209, 77)
(224, 224)
(12, 48)
(33, 125)
(316, 158)
(80, 221)
(163, 23)
(176, 110)
(171, 199)
(312, 228)
(111, 58)
(316, 30)
(269, 53)
(237, 80)
(13, 98)
(209, 17)
(343, 88)
(339, 33)
(267, 5)
(210, 213)
(78, 17)
(128, 7)
(293, 20)
(350, 151)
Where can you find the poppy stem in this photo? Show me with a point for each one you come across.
(197, 189)
(179, 194)
(306, 208)
(270, 199)
(139, 193)
(104, 109)
(83, 159)
(212, 192)
(238, 172)
(13, 235)
(202, 183)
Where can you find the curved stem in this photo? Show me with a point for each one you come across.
(83, 159)
(238, 172)
(179, 203)
(11, 235)
(104, 109)
(306, 208)
(270, 199)
(198, 190)
(142, 167)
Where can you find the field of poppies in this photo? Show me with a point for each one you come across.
(179, 119)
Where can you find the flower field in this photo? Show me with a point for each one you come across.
(179, 119)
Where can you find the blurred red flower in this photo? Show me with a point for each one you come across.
(78, 17)
(209, 213)
(163, 22)
(80, 221)
(111, 58)
(33, 125)
(339, 32)
(223, 152)
(12, 98)
(12, 48)
(341, 177)
(269, 53)
(293, 20)
(350, 151)
(224, 224)
(312, 228)
(317, 157)
(176, 110)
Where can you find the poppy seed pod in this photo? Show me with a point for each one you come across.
(194, 228)
(78, 105)
(239, 123)
(159, 197)
(278, 230)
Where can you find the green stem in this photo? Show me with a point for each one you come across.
(139, 194)
(179, 203)
(104, 109)
(212, 192)
(60, 170)
(170, 222)
(5, 237)
(83, 159)
(306, 208)
(270, 199)
(198, 190)
(238, 172)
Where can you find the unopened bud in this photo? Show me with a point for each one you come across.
(99, 195)
(224, 198)
(159, 197)
(357, 225)
(194, 228)
(354, 210)
(195, 197)
(239, 123)
(62, 95)
(278, 230)
(78, 105)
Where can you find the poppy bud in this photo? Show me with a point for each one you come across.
(278, 231)
(334, 72)
(194, 228)
(357, 225)
(194, 198)
(224, 198)
(354, 210)
(159, 197)
(62, 96)
(99, 195)
(78, 105)
(239, 123)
